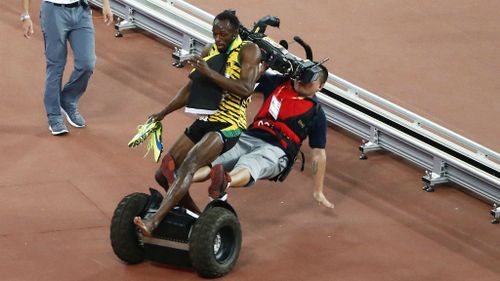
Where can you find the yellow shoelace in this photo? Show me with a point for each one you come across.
(154, 129)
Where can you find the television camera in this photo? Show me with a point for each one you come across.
(276, 55)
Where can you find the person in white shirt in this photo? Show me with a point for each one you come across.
(64, 21)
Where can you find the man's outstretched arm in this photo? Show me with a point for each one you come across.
(318, 169)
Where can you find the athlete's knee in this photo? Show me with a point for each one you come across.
(161, 179)
(166, 172)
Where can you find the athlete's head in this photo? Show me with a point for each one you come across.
(225, 29)
(310, 89)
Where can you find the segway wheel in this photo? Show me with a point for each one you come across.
(215, 242)
(123, 232)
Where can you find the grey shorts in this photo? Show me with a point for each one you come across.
(263, 160)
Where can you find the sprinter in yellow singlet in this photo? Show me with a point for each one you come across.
(209, 135)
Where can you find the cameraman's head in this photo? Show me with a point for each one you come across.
(309, 89)
(225, 29)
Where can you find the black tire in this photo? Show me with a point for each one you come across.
(215, 242)
(123, 231)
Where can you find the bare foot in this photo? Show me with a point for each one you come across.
(146, 230)
(321, 199)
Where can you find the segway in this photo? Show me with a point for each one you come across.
(209, 243)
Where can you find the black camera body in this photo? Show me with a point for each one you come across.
(308, 71)
(276, 55)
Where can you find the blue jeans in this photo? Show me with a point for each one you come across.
(59, 26)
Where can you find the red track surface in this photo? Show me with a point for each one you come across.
(440, 60)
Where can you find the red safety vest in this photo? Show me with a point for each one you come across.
(295, 116)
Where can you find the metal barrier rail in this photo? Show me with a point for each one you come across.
(445, 155)
(442, 166)
(168, 20)
(415, 119)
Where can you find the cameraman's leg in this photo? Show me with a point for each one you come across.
(240, 176)
(202, 174)
(227, 159)
(266, 161)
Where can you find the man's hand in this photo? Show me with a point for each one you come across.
(107, 14)
(28, 28)
(157, 116)
(321, 199)
(200, 64)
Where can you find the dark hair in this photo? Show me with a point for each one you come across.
(324, 74)
(229, 15)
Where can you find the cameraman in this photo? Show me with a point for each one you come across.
(268, 148)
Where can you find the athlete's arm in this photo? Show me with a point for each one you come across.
(179, 101)
(249, 60)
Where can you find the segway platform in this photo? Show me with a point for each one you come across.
(209, 243)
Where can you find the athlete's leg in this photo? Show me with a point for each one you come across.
(176, 154)
(205, 151)
(165, 174)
